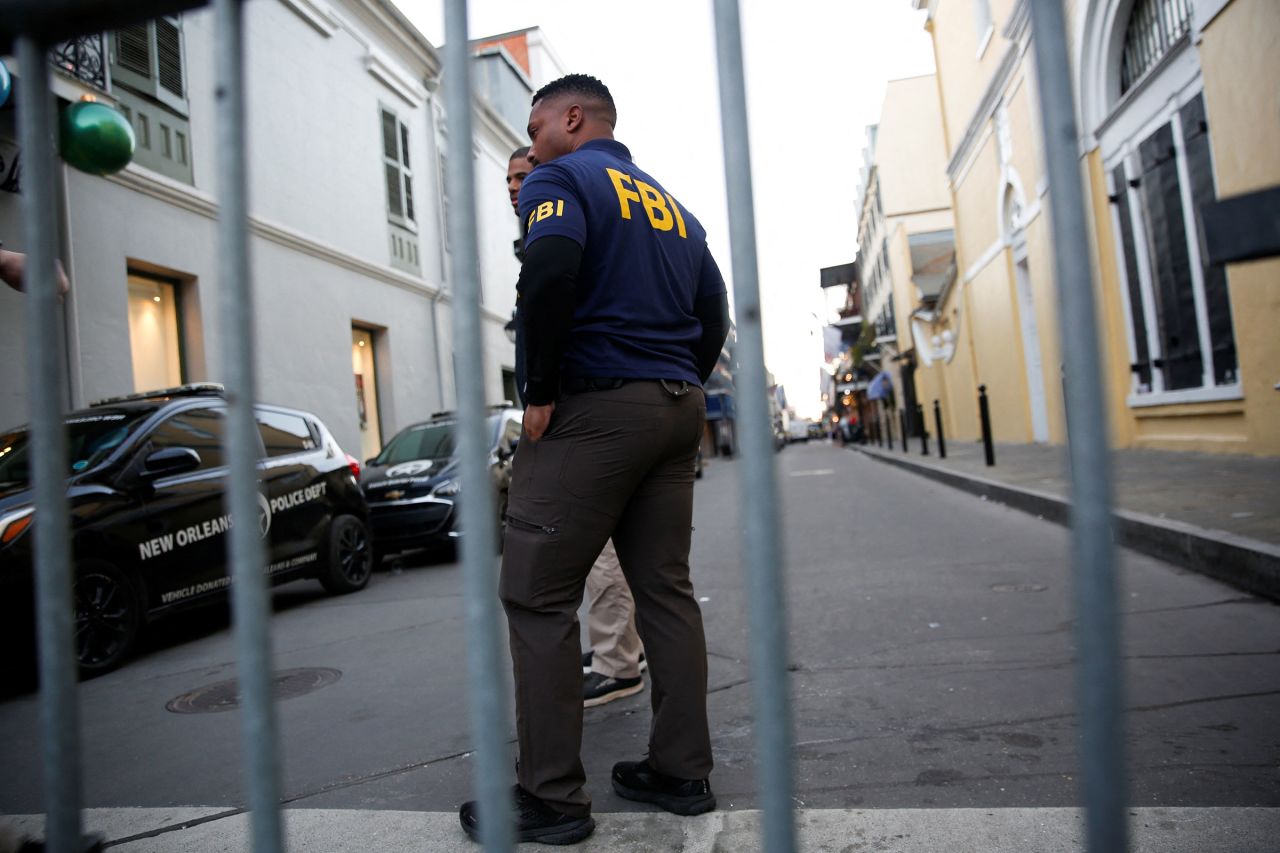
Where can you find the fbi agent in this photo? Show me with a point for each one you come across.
(624, 313)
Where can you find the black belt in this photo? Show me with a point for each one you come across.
(581, 385)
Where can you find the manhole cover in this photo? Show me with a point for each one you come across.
(1019, 587)
(225, 695)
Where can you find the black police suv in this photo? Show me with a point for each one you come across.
(148, 521)
(412, 484)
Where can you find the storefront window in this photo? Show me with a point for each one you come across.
(155, 334)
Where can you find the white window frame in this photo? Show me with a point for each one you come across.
(1155, 100)
(409, 223)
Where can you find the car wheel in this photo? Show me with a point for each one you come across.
(350, 556)
(108, 616)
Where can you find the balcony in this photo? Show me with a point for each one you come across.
(83, 58)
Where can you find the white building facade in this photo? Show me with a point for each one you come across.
(347, 140)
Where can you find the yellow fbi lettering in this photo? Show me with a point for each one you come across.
(544, 210)
(660, 208)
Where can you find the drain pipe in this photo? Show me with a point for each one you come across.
(432, 84)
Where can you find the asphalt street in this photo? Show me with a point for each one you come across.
(932, 667)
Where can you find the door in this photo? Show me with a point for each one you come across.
(182, 554)
(365, 367)
(297, 511)
(1031, 346)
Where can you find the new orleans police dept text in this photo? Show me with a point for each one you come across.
(217, 526)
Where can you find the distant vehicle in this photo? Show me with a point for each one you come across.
(412, 486)
(148, 517)
(816, 431)
(799, 430)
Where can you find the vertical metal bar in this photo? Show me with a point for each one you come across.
(59, 711)
(1101, 706)
(984, 417)
(488, 691)
(942, 436)
(924, 432)
(250, 597)
(761, 541)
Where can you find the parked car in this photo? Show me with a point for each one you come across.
(149, 525)
(413, 484)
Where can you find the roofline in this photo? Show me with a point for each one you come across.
(497, 36)
(404, 23)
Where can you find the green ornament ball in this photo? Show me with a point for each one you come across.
(95, 138)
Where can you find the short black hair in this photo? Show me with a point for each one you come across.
(520, 153)
(579, 84)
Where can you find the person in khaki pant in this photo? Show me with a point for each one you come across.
(624, 313)
(611, 669)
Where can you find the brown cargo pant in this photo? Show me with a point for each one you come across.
(613, 463)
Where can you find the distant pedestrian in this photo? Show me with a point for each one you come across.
(624, 314)
(612, 666)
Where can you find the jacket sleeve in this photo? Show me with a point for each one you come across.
(548, 279)
(711, 307)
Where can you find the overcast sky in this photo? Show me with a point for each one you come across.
(816, 73)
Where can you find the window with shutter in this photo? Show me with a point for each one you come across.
(133, 49)
(147, 59)
(169, 56)
(1158, 154)
(399, 180)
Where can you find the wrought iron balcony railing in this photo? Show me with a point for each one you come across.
(84, 57)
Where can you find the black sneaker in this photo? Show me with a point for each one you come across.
(598, 689)
(636, 780)
(535, 821)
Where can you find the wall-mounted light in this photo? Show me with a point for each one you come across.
(155, 299)
(361, 343)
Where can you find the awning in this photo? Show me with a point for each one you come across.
(933, 262)
(881, 386)
(841, 275)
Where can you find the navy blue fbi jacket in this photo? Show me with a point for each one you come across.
(644, 278)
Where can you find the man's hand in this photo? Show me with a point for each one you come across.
(13, 268)
(537, 419)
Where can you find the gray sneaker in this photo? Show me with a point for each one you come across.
(598, 689)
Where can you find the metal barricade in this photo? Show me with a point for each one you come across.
(1103, 756)
(761, 541)
(1097, 626)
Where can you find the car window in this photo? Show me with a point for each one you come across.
(199, 429)
(91, 437)
(422, 441)
(283, 433)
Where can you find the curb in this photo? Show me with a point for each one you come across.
(1247, 564)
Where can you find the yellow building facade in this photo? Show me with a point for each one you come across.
(905, 231)
(1176, 109)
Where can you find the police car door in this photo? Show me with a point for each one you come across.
(295, 489)
(182, 554)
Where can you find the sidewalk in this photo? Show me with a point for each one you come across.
(1006, 830)
(1219, 515)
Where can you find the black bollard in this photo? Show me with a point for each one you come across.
(942, 436)
(887, 425)
(924, 433)
(902, 424)
(984, 414)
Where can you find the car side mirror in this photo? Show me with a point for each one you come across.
(369, 461)
(169, 462)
